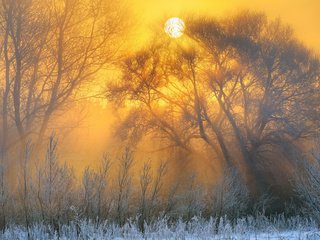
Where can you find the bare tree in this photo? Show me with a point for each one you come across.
(239, 90)
(24, 187)
(95, 184)
(192, 199)
(306, 181)
(54, 187)
(49, 50)
(150, 197)
(228, 197)
(123, 187)
(272, 77)
(4, 197)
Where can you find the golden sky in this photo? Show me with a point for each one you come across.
(302, 15)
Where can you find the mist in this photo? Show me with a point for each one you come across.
(114, 115)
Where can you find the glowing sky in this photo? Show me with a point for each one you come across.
(302, 15)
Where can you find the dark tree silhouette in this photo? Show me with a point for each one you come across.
(242, 86)
(50, 48)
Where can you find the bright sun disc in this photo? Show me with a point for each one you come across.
(174, 27)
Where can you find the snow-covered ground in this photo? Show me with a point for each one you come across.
(244, 229)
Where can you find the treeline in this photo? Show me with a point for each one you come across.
(48, 193)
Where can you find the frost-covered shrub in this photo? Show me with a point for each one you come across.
(307, 182)
(53, 188)
(95, 197)
(228, 197)
(196, 228)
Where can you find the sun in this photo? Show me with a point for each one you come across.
(174, 27)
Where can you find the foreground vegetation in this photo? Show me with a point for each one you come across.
(116, 201)
(198, 228)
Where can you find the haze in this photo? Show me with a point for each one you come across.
(129, 117)
(303, 16)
